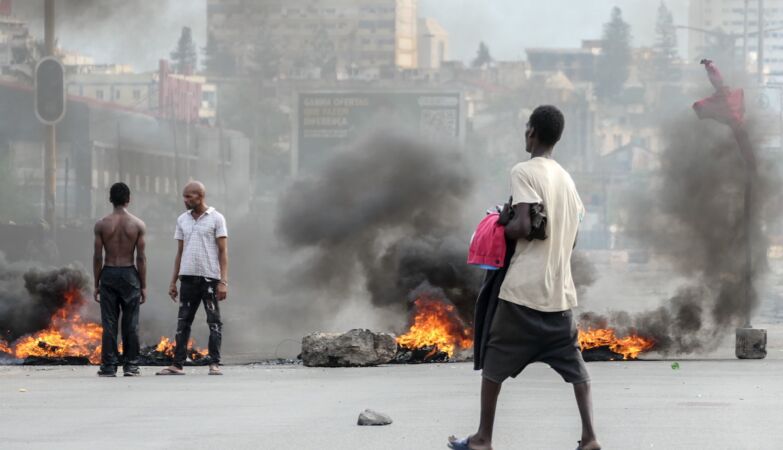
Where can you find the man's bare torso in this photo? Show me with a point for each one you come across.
(119, 232)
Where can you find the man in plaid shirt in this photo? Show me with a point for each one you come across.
(201, 266)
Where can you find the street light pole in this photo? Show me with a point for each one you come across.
(760, 52)
(745, 38)
(50, 159)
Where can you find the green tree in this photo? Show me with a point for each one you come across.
(483, 57)
(665, 47)
(217, 60)
(615, 60)
(185, 56)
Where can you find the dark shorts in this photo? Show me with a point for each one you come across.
(520, 336)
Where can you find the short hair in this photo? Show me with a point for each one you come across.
(548, 123)
(119, 194)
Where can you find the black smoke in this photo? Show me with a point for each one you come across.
(388, 213)
(29, 297)
(694, 216)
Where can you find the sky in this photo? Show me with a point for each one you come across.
(509, 26)
(143, 34)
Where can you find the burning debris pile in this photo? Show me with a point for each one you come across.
(601, 344)
(694, 217)
(436, 332)
(41, 323)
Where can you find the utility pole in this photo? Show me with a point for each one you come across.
(50, 159)
(761, 43)
(745, 38)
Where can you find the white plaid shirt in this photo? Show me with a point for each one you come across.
(200, 250)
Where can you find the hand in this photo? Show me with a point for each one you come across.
(173, 292)
(506, 213)
(222, 292)
(96, 294)
(143, 296)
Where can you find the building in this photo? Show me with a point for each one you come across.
(100, 143)
(341, 39)
(17, 46)
(578, 64)
(716, 24)
(142, 91)
(432, 45)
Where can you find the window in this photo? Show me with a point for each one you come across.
(106, 178)
(157, 185)
(99, 94)
(117, 94)
(136, 94)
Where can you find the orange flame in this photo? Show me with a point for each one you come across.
(70, 335)
(629, 346)
(166, 346)
(436, 324)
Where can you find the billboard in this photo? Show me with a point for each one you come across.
(327, 121)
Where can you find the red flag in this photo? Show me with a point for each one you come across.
(726, 105)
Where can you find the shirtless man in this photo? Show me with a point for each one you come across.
(119, 285)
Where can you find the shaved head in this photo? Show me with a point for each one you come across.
(193, 194)
(196, 187)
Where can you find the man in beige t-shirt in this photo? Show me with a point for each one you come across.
(539, 275)
(533, 321)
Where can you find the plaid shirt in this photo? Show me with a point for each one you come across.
(200, 250)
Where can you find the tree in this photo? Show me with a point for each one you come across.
(217, 60)
(665, 47)
(483, 57)
(185, 56)
(615, 60)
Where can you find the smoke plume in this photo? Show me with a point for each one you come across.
(386, 212)
(30, 296)
(694, 216)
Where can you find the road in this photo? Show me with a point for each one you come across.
(709, 403)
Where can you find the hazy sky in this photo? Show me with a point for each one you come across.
(507, 26)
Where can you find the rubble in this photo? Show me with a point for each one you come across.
(373, 418)
(356, 348)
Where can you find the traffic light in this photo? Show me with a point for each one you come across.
(49, 90)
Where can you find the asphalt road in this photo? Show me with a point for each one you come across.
(716, 402)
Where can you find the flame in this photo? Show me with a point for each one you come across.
(436, 324)
(166, 346)
(67, 334)
(629, 346)
(70, 335)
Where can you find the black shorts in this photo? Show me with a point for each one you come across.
(520, 336)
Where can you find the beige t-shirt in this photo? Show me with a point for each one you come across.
(539, 275)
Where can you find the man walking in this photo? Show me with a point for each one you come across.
(120, 287)
(201, 265)
(533, 321)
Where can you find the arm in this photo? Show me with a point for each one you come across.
(519, 226)
(177, 262)
(222, 243)
(97, 260)
(141, 261)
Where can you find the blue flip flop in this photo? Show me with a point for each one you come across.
(461, 444)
